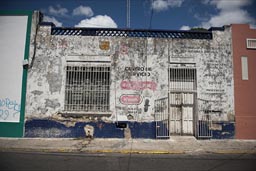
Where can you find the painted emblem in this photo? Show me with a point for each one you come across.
(104, 45)
(130, 99)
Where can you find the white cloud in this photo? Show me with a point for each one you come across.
(229, 17)
(230, 5)
(230, 12)
(83, 10)
(162, 5)
(175, 3)
(57, 11)
(185, 28)
(53, 20)
(102, 21)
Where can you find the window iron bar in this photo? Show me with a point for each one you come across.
(87, 88)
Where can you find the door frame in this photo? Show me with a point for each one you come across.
(194, 91)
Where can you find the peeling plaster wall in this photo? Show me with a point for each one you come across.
(139, 72)
(213, 59)
(45, 77)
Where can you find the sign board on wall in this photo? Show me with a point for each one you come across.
(13, 30)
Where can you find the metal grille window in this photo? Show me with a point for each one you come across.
(251, 43)
(87, 88)
(183, 79)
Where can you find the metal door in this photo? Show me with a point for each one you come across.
(181, 113)
(204, 125)
(182, 93)
(162, 118)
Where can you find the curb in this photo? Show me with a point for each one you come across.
(233, 152)
(135, 151)
(125, 151)
(65, 150)
(60, 150)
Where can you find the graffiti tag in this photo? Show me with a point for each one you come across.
(8, 108)
(138, 85)
(123, 49)
(130, 99)
(138, 71)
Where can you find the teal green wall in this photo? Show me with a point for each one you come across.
(17, 129)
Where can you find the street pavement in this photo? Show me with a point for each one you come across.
(174, 145)
(37, 161)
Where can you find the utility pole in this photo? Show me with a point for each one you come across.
(128, 14)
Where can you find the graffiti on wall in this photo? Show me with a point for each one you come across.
(130, 99)
(123, 49)
(138, 85)
(146, 105)
(8, 109)
(104, 45)
(138, 71)
(132, 112)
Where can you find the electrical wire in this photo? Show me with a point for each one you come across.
(151, 16)
(128, 19)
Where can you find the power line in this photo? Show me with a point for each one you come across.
(151, 16)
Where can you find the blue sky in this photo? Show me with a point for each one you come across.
(144, 14)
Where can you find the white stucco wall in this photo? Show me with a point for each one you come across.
(142, 62)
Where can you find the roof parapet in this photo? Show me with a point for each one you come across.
(113, 32)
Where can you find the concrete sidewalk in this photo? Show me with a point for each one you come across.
(175, 145)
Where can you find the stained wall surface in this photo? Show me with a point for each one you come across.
(139, 72)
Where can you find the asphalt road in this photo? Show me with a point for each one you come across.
(124, 162)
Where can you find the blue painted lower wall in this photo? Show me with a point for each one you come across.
(53, 129)
(226, 131)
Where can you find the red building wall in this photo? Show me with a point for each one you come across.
(245, 90)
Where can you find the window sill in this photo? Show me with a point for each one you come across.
(81, 113)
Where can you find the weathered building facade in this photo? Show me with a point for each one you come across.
(129, 83)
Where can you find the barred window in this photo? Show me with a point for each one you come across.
(251, 43)
(87, 88)
(183, 79)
